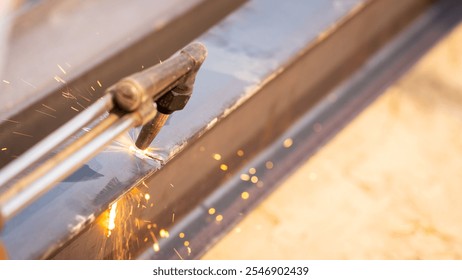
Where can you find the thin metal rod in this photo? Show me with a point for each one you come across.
(29, 188)
(54, 139)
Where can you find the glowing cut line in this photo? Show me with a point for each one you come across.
(143, 154)
(112, 217)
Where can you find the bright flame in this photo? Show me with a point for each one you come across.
(112, 217)
(142, 154)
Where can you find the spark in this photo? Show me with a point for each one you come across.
(189, 251)
(153, 237)
(29, 84)
(288, 143)
(212, 211)
(68, 95)
(254, 179)
(240, 153)
(252, 171)
(75, 109)
(178, 254)
(147, 197)
(245, 177)
(22, 134)
(245, 195)
(48, 107)
(93, 88)
(156, 247)
(181, 235)
(59, 79)
(61, 68)
(219, 218)
(112, 217)
(223, 167)
(171, 185)
(85, 98)
(164, 233)
(99, 83)
(173, 217)
(216, 156)
(38, 111)
(269, 165)
(4, 149)
(186, 243)
(6, 82)
(83, 107)
(143, 154)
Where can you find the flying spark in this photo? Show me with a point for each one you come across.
(61, 68)
(48, 107)
(22, 134)
(112, 217)
(288, 143)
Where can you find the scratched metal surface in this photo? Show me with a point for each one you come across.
(244, 52)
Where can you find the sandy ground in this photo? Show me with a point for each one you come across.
(387, 187)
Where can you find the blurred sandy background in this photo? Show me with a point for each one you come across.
(387, 187)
